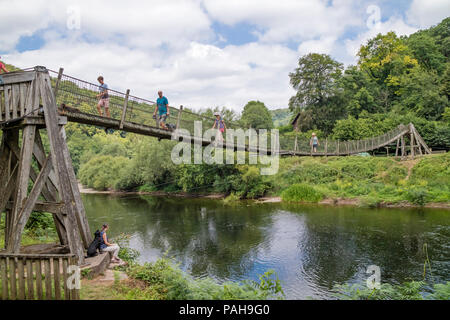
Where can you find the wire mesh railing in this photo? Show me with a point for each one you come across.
(84, 96)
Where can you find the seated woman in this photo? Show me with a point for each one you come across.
(106, 246)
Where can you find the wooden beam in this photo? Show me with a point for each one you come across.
(24, 170)
(58, 81)
(24, 214)
(82, 221)
(56, 143)
(16, 77)
(50, 207)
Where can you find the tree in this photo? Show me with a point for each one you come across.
(314, 80)
(427, 52)
(257, 116)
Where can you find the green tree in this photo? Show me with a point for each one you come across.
(257, 116)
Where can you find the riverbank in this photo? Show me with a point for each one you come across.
(338, 181)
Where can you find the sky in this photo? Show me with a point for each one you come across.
(200, 53)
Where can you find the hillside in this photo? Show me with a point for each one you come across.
(281, 117)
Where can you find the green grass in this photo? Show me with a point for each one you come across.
(371, 180)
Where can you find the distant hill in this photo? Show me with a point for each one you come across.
(281, 117)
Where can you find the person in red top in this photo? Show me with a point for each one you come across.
(3, 67)
(2, 70)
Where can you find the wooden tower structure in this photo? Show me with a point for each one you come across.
(30, 177)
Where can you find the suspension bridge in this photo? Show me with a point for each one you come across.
(39, 101)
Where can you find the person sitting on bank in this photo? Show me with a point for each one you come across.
(162, 107)
(2, 70)
(314, 142)
(105, 245)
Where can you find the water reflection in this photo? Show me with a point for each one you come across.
(311, 248)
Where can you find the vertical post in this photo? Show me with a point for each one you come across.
(396, 149)
(337, 148)
(179, 117)
(326, 147)
(403, 147)
(295, 142)
(58, 80)
(412, 143)
(124, 110)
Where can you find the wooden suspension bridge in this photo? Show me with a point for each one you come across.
(39, 101)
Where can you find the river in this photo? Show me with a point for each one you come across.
(311, 248)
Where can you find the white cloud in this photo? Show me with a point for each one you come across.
(425, 13)
(170, 45)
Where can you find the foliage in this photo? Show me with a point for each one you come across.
(257, 116)
(173, 284)
(414, 290)
(301, 193)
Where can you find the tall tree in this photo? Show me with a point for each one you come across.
(318, 97)
(257, 116)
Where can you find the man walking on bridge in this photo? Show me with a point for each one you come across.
(162, 106)
(104, 98)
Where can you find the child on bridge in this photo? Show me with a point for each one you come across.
(104, 98)
(2, 70)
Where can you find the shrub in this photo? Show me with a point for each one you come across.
(417, 196)
(301, 193)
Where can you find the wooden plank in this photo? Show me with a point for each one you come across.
(81, 217)
(4, 275)
(2, 104)
(48, 279)
(74, 294)
(23, 96)
(17, 77)
(15, 94)
(56, 141)
(65, 277)
(25, 211)
(23, 173)
(39, 291)
(12, 278)
(30, 279)
(57, 283)
(7, 102)
(39, 154)
(21, 276)
(58, 81)
(9, 188)
(124, 109)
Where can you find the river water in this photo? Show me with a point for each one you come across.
(311, 248)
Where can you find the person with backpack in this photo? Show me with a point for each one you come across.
(105, 245)
(219, 124)
(162, 107)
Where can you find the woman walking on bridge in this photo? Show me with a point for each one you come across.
(162, 107)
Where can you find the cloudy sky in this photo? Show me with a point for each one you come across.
(201, 53)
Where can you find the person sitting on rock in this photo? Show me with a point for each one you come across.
(107, 246)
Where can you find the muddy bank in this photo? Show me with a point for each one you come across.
(328, 201)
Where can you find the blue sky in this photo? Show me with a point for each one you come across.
(201, 53)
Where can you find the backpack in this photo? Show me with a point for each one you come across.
(95, 245)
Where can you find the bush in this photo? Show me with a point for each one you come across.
(301, 193)
(417, 196)
(173, 284)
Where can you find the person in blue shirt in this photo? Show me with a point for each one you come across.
(314, 142)
(162, 107)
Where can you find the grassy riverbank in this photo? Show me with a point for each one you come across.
(364, 181)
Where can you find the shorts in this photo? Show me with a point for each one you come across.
(162, 118)
(104, 103)
(315, 146)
